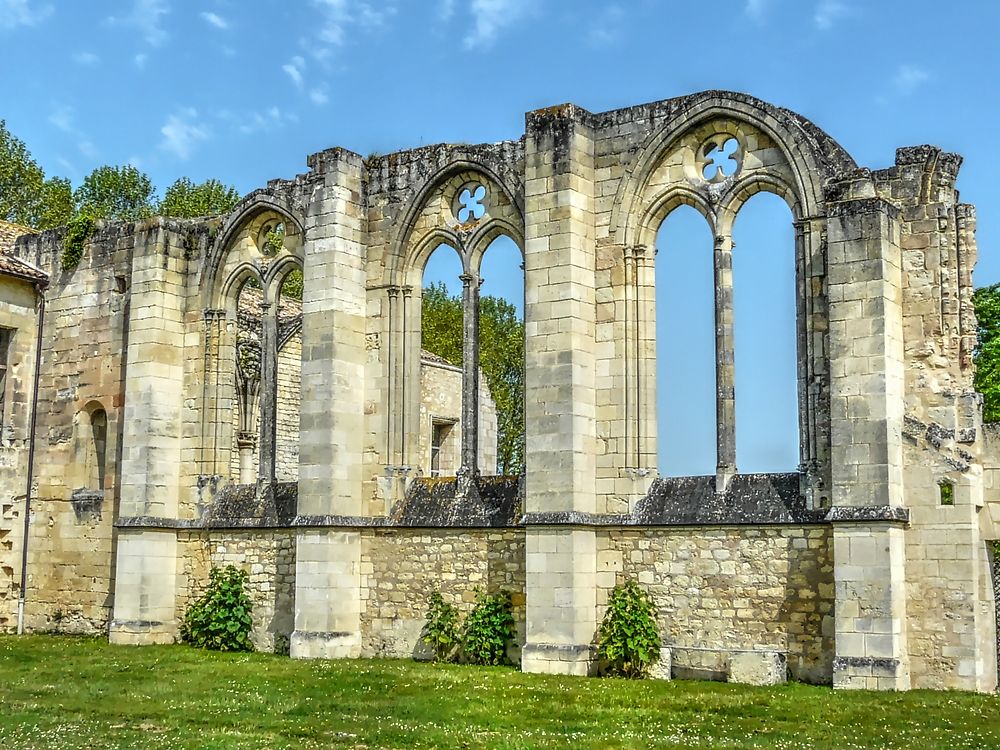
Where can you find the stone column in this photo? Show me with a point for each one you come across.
(470, 377)
(245, 443)
(725, 365)
(146, 564)
(328, 560)
(560, 392)
(268, 391)
(866, 361)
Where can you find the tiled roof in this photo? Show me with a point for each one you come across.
(9, 265)
(434, 359)
(10, 232)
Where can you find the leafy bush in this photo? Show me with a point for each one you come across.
(78, 231)
(488, 629)
(628, 639)
(441, 631)
(222, 618)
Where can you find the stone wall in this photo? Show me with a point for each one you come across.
(401, 568)
(70, 587)
(17, 312)
(267, 555)
(289, 401)
(720, 591)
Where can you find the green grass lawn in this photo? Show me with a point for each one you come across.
(82, 693)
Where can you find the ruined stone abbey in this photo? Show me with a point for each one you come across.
(165, 408)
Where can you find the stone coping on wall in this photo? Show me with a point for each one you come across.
(496, 502)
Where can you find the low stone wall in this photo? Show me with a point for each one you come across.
(401, 568)
(267, 555)
(70, 574)
(724, 590)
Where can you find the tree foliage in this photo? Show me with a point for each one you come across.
(488, 629)
(186, 199)
(116, 193)
(501, 358)
(26, 196)
(987, 355)
(441, 323)
(223, 617)
(628, 639)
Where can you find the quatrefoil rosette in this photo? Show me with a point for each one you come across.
(719, 158)
(470, 203)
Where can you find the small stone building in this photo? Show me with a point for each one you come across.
(181, 424)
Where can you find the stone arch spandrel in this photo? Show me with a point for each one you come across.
(236, 242)
(432, 209)
(772, 140)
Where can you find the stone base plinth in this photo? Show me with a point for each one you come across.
(758, 668)
(306, 645)
(870, 673)
(139, 633)
(554, 658)
(662, 669)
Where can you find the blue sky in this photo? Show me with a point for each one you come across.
(243, 90)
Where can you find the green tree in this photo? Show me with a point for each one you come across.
(188, 200)
(501, 358)
(26, 197)
(441, 323)
(116, 193)
(987, 356)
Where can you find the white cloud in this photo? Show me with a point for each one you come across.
(266, 121)
(146, 17)
(829, 12)
(909, 77)
(15, 13)
(339, 15)
(294, 68)
(88, 149)
(86, 58)
(140, 60)
(446, 9)
(492, 17)
(756, 9)
(62, 118)
(319, 96)
(607, 28)
(214, 19)
(182, 133)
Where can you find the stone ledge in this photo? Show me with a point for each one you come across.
(558, 658)
(868, 514)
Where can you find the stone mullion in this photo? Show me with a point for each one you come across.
(409, 369)
(470, 375)
(211, 416)
(392, 376)
(268, 390)
(725, 364)
(645, 323)
(631, 359)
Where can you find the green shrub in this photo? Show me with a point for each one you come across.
(488, 629)
(441, 631)
(78, 231)
(222, 618)
(628, 639)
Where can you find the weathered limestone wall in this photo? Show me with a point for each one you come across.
(17, 312)
(267, 555)
(720, 591)
(949, 615)
(71, 539)
(288, 406)
(441, 400)
(401, 568)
